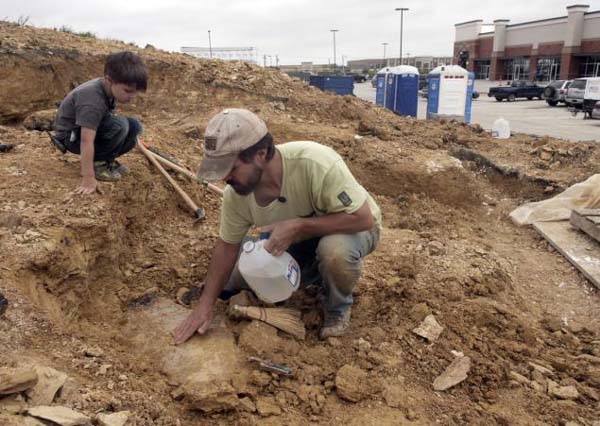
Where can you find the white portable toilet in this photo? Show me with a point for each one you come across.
(450, 93)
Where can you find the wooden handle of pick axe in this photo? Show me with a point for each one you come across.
(186, 172)
(199, 212)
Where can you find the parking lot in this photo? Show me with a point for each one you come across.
(532, 117)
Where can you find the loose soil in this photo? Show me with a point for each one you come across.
(74, 268)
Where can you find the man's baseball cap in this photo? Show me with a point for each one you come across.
(227, 134)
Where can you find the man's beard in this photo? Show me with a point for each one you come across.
(248, 188)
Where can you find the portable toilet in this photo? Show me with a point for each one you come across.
(402, 90)
(380, 79)
(450, 93)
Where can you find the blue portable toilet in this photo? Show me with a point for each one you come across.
(339, 84)
(402, 90)
(450, 93)
(380, 79)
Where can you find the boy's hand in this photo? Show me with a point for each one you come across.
(89, 185)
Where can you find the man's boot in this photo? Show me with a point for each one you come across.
(335, 324)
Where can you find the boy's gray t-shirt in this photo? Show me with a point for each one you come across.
(85, 106)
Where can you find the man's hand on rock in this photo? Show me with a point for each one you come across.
(198, 320)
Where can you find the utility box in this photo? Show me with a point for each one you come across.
(339, 84)
(450, 93)
(398, 89)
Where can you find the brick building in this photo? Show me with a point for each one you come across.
(423, 63)
(564, 47)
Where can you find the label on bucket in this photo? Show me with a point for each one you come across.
(292, 274)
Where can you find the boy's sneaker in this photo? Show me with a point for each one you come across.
(335, 324)
(104, 172)
(121, 168)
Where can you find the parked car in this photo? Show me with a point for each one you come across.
(517, 89)
(358, 77)
(583, 94)
(575, 93)
(596, 111)
(556, 92)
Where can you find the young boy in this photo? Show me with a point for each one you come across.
(86, 123)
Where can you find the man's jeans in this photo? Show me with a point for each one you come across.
(115, 136)
(334, 260)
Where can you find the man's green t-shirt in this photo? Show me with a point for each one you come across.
(316, 181)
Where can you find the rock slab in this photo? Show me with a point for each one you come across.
(17, 380)
(429, 329)
(454, 374)
(62, 415)
(49, 382)
(114, 419)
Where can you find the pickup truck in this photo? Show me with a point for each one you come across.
(517, 89)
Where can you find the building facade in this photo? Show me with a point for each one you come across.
(556, 48)
(423, 63)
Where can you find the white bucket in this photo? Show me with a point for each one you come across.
(273, 279)
(501, 129)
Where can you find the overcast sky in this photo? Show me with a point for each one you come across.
(296, 30)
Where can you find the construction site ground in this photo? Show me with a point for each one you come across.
(78, 271)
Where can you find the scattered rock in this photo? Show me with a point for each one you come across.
(394, 396)
(267, 406)
(351, 383)
(419, 311)
(362, 345)
(40, 120)
(114, 419)
(13, 404)
(93, 351)
(62, 415)
(49, 382)
(562, 392)
(243, 298)
(454, 374)
(429, 329)
(259, 338)
(211, 397)
(519, 378)
(436, 248)
(10, 220)
(543, 370)
(17, 380)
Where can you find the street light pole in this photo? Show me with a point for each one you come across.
(333, 32)
(209, 45)
(402, 10)
(384, 46)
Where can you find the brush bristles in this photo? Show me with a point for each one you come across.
(288, 320)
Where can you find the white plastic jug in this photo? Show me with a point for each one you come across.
(273, 279)
(501, 129)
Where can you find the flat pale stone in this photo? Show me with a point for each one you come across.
(62, 415)
(49, 382)
(562, 392)
(429, 329)
(204, 367)
(454, 374)
(16, 380)
(114, 419)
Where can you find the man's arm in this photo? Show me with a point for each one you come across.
(221, 265)
(287, 232)
(88, 181)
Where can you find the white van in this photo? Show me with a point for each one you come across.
(583, 93)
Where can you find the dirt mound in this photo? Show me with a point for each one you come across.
(77, 271)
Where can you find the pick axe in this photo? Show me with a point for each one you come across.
(198, 211)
